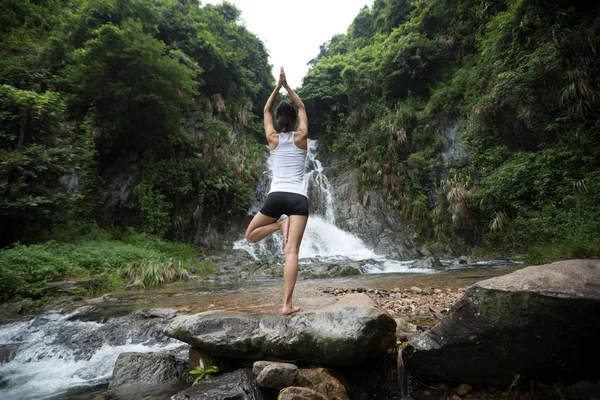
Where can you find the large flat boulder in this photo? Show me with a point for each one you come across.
(539, 322)
(345, 333)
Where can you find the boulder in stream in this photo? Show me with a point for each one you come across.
(137, 374)
(345, 333)
(539, 322)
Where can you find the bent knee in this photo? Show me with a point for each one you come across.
(249, 237)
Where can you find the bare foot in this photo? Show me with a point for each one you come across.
(285, 228)
(289, 310)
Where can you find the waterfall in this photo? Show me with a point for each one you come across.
(322, 239)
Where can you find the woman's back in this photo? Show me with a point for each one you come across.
(289, 162)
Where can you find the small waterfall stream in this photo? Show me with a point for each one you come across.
(47, 356)
(323, 241)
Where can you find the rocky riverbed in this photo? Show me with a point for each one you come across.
(417, 306)
(415, 309)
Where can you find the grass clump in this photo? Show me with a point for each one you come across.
(152, 274)
(25, 269)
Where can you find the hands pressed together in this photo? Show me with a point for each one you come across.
(282, 79)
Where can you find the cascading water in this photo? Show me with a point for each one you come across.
(54, 353)
(322, 240)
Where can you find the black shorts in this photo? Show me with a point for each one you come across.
(279, 203)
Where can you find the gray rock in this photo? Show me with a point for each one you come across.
(8, 352)
(300, 393)
(237, 385)
(327, 270)
(369, 215)
(147, 373)
(258, 366)
(429, 262)
(454, 153)
(148, 313)
(424, 251)
(72, 286)
(540, 322)
(345, 333)
(277, 375)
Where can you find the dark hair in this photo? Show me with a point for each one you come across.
(286, 116)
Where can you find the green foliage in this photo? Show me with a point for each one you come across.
(123, 70)
(203, 372)
(25, 269)
(517, 80)
(513, 386)
(94, 86)
(37, 148)
(153, 274)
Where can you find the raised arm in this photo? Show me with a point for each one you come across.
(302, 130)
(270, 131)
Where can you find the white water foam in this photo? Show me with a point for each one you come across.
(45, 365)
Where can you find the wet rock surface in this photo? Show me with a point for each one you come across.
(8, 352)
(368, 216)
(239, 266)
(538, 322)
(137, 374)
(348, 332)
(237, 385)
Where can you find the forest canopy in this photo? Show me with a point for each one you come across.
(92, 98)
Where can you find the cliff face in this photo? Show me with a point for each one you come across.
(367, 215)
(199, 193)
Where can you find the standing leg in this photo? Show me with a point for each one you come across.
(262, 226)
(296, 228)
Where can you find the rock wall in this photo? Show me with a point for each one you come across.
(367, 215)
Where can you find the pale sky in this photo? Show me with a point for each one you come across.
(292, 31)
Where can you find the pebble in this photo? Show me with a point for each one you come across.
(463, 389)
(421, 307)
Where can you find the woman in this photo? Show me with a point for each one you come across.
(288, 146)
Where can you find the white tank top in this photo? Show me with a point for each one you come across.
(289, 162)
